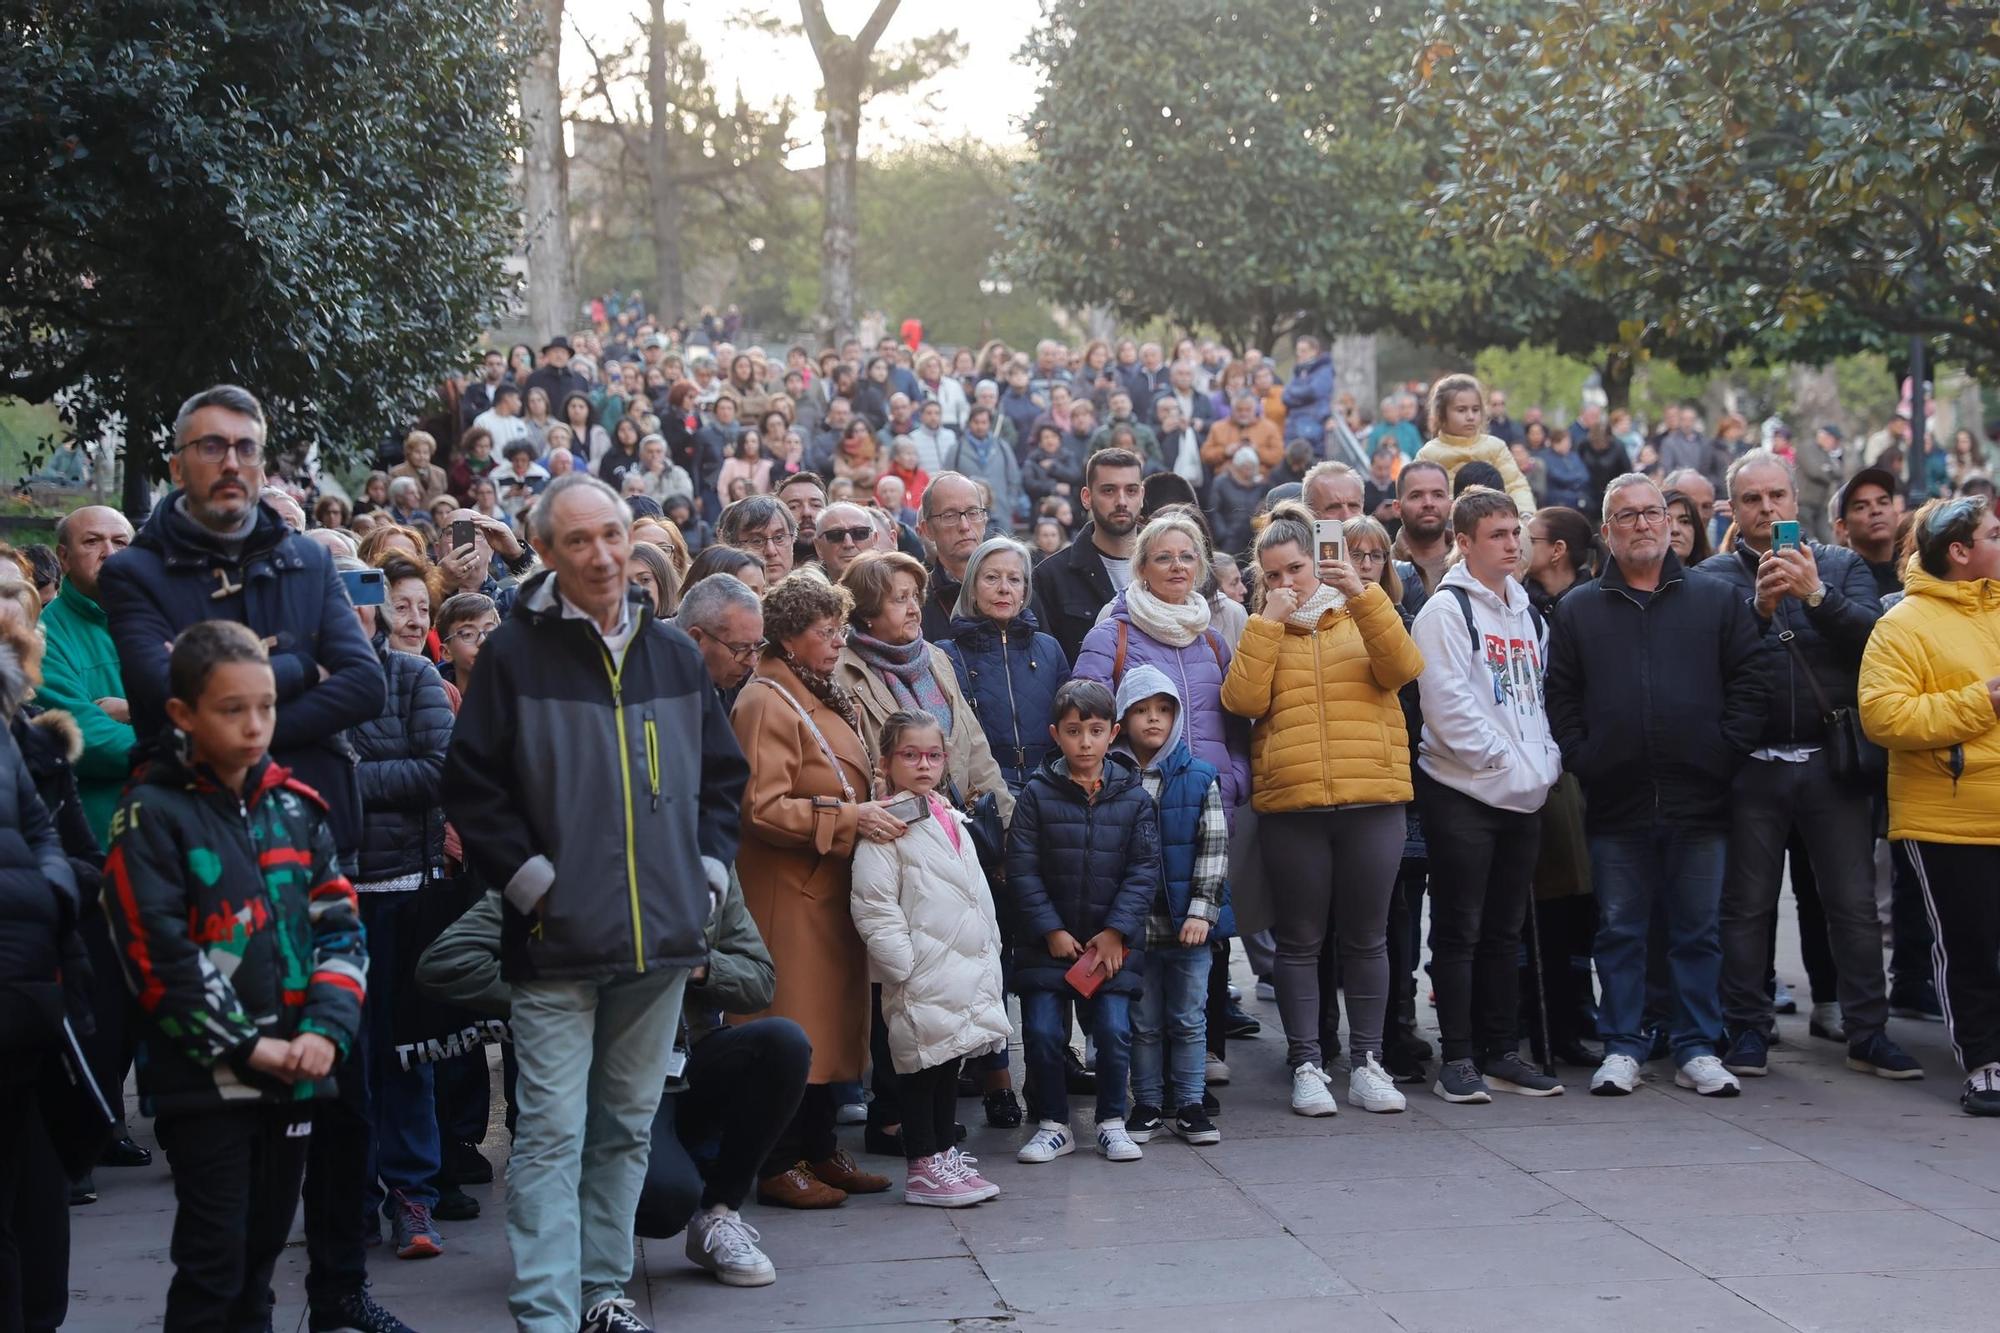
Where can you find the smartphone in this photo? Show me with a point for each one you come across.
(909, 809)
(1331, 534)
(364, 586)
(1784, 535)
(462, 532)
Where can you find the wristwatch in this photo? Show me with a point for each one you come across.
(1816, 596)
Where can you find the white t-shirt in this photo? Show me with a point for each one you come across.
(1119, 567)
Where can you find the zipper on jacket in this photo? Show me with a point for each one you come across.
(1013, 705)
(653, 760)
(615, 669)
(1319, 705)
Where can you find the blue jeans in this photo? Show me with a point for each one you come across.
(593, 1058)
(1682, 871)
(1108, 1020)
(1175, 1003)
(404, 1153)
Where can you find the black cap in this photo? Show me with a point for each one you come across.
(1868, 476)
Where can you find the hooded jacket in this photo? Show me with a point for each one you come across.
(1452, 453)
(923, 908)
(233, 923)
(1194, 832)
(1655, 700)
(1083, 864)
(1923, 698)
(79, 668)
(1486, 730)
(1009, 674)
(604, 790)
(1308, 398)
(1329, 730)
(176, 573)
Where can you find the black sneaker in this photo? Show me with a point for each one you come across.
(1919, 1001)
(1210, 1103)
(1883, 1058)
(355, 1313)
(1459, 1081)
(454, 1205)
(1982, 1091)
(1749, 1054)
(124, 1152)
(464, 1163)
(82, 1190)
(1193, 1125)
(1238, 1025)
(1408, 1046)
(1143, 1123)
(1002, 1110)
(1080, 1081)
(1508, 1072)
(1402, 1066)
(613, 1314)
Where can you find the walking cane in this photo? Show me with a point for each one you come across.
(1541, 995)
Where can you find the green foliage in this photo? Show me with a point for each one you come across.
(1534, 376)
(1814, 173)
(308, 198)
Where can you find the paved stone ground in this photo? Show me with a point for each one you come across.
(1820, 1200)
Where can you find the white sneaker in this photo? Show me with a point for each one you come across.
(1616, 1077)
(1312, 1091)
(1370, 1088)
(1218, 1071)
(1706, 1076)
(1115, 1143)
(1267, 993)
(723, 1243)
(851, 1113)
(1050, 1140)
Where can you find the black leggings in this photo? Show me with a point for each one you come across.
(930, 1109)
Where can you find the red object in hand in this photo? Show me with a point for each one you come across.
(1084, 975)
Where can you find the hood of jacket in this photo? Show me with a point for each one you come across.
(1143, 682)
(181, 541)
(1970, 596)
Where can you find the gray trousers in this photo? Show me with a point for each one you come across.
(1332, 873)
(1770, 799)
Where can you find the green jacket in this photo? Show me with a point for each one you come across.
(79, 668)
(462, 966)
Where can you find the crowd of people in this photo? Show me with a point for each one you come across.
(751, 751)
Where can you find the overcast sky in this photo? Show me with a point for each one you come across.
(984, 97)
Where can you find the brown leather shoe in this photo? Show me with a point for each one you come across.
(843, 1173)
(798, 1188)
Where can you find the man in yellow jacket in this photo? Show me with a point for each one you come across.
(1930, 695)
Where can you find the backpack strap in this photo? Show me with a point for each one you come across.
(1118, 659)
(1465, 609)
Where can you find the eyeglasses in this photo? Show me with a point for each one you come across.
(741, 652)
(960, 517)
(1651, 516)
(838, 536)
(471, 634)
(214, 448)
(921, 758)
(1367, 557)
(829, 633)
(767, 541)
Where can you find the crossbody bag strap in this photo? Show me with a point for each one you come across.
(1789, 638)
(846, 789)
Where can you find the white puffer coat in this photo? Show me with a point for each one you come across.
(926, 915)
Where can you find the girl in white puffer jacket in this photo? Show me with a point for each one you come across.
(924, 910)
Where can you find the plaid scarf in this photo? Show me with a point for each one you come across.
(906, 669)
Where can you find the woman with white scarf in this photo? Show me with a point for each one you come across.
(1317, 671)
(1162, 620)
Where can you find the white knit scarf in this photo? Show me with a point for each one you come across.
(1175, 626)
(1325, 598)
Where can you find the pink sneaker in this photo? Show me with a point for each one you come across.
(963, 1164)
(935, 1183)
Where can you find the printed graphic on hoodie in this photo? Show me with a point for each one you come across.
(1516, 667)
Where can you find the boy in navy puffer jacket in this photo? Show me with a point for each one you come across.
(1083, 869)
(1170, 1022)
(243, 943)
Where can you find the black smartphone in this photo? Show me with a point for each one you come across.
(462, 532)
(364, 586)
(909, 809)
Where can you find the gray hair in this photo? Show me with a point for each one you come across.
(1756, 458)
(1626, 482)
(752, 511)
(964, 608)
(229, 397)
(400, 485)
(704, 605)
(542, 518)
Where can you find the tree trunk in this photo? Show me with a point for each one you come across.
(1615, 377)
(842, 135)
(1355, 369)
(669, 292)
(545, 183)
(136, 496)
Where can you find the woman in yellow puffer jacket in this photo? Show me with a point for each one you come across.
(1930, 694)
(1317, 672)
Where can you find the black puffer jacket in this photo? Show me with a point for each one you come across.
(1830, 636)
(38, 905)
(402, 771)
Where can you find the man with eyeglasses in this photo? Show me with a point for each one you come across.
(726, 621)
(952, 523)
(212, 551)
(760, 526)
(845, 531)
(1656, 692)
(1815, 607)
(472, 567)
(1930, 695)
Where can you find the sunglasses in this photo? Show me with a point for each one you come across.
(837, 536)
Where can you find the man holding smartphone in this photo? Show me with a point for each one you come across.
(1815, 607)
(475, 541)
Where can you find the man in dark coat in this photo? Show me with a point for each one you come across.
(554, 375)
(1077, 582)
(213, 551)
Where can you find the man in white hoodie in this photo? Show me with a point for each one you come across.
(1485, 764)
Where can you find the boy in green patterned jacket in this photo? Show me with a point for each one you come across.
(243, 943)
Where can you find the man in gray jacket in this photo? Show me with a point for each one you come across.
(594, 775)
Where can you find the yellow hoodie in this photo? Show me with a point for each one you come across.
(1451, 452)
(1923, 698)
